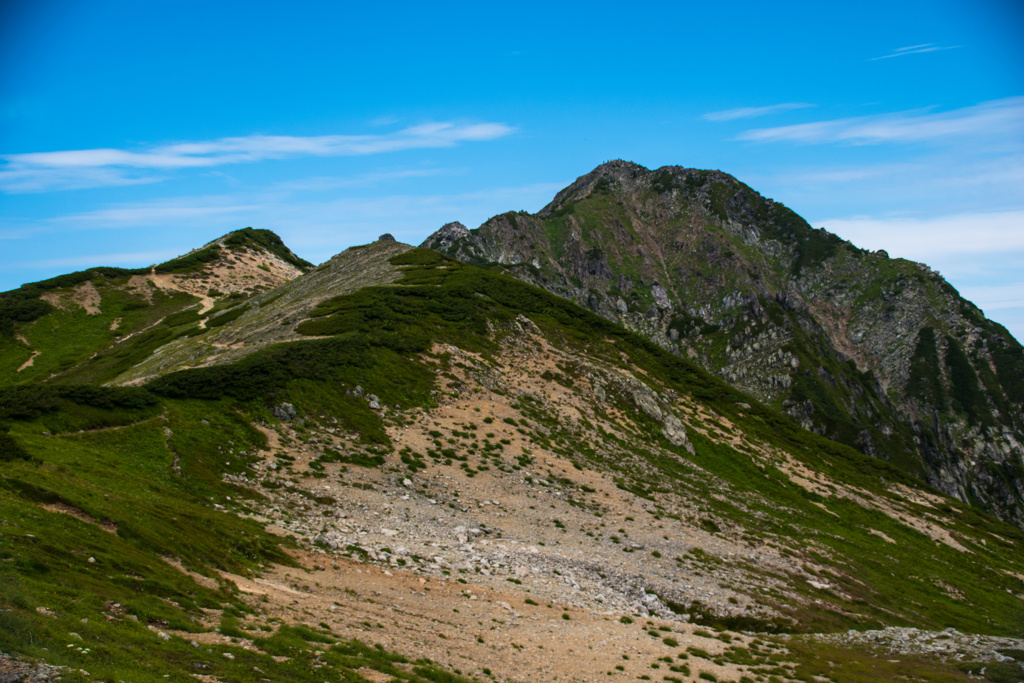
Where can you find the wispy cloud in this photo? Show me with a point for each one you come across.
(932, 171)
(997, 118)
(20, 178)
(914, 50)
(935, 238)
(754, 112)
(42, 171)
(318, 229)
(384, 121)
(997, 297)
(152, 214)
(322, 183)
(87, 260)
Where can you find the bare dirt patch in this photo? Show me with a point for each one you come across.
(63, 508)
(30, 362)
(84, 295)
(472, 626)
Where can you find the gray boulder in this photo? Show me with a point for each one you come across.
(284, 411)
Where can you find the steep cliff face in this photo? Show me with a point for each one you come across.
(882, 354)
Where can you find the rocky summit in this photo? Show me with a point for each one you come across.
(880, 354)
(584, 445)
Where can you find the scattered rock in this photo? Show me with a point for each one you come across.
(946, 644)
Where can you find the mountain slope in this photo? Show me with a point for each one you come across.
(271, 317)
(448, 455)
(95, 324)
(448, 471)
(881, 354)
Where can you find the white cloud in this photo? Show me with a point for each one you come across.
(997, 297)
(322, 183)
(385, 121)
(91, 260)
(316, 229)
(41, 171)
(19, 178)
(914, 50)
(1000, 118)
(754, 112)
(935, 238)
(150, 214)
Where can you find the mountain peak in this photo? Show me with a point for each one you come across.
(259, 239)
(620, 177)
(848, 343)
(447, 235)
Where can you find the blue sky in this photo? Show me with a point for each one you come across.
(132, 132)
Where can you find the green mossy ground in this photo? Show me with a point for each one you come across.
(74, 346)
(124, 479)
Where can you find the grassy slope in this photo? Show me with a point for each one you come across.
(75, 346)
(125, 474)
(378, 327)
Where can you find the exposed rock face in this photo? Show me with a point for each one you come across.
(881, 354)
(449, 234)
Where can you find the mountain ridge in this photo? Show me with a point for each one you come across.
(702, 264)
(120, 316)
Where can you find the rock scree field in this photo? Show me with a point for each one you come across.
(435, 464)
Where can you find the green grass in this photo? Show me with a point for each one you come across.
(75, 346)
(124, 479)
(965, 391)
(854, 664)
(925, 377)
(452, 308)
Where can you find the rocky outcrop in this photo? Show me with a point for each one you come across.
(651, 404)
(795, 316)
(284, 411)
